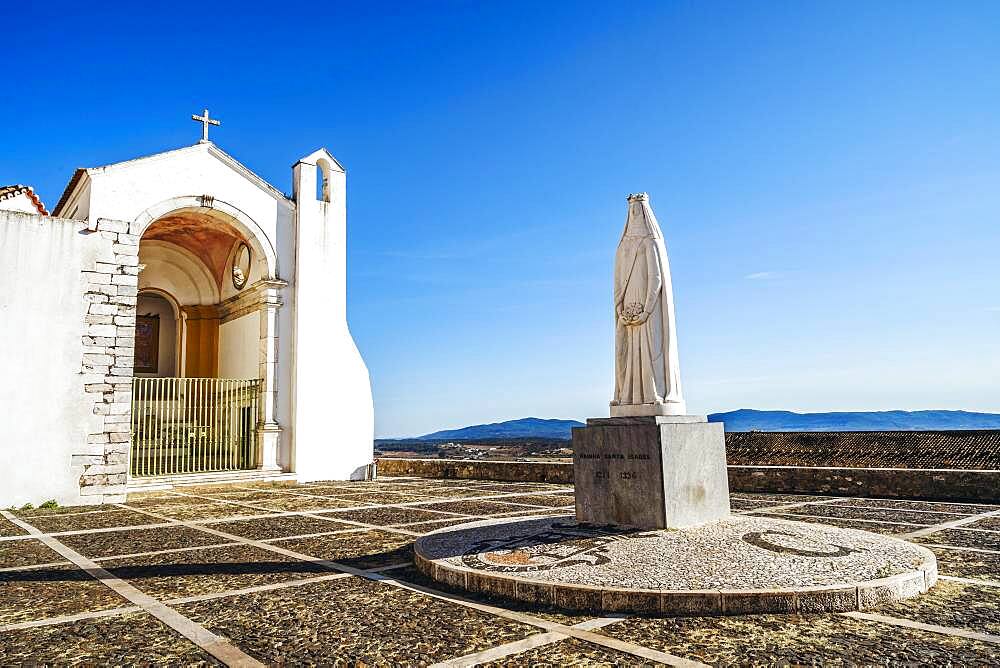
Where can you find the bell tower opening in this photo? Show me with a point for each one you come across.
(323, 180)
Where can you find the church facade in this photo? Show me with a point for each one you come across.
(174, 319)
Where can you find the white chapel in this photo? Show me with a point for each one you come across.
(176, 318)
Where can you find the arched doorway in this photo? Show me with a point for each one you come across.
(209, 407)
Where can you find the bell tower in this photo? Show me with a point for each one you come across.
(332, 400)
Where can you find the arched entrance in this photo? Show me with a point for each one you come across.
(203, 389)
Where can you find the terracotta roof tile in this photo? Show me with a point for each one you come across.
(9, 192)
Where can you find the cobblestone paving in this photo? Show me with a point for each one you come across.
(968, 564)
(57, 590)
(387, 516)
(83, 521)
(411, 575)
(874, 527)
(554, 500)
(750, 504)
(244, 562)
(354, 620)
(10, 529)
(986, 540)
(281, 526)
(177, 574)
(888, 514)
(990, 523)
(570, 652)
(135, 639)
(199, 509)
(359, 549)
(135, 541)
(479, 508)
(802, 641)
(957, 604)
(26, 553)
(964, 508)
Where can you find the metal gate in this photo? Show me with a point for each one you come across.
(193, 425)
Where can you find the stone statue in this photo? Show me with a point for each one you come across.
(647, 368)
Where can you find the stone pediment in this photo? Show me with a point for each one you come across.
(202, 168)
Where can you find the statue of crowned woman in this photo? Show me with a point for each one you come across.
(647, 367)
(650, 465)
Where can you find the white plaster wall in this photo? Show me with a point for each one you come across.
(332, 403)
(149, 304)
(20, 203)
(47, 414)
(239, 346)
(125, 190)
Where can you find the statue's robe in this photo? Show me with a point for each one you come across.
(647, 369)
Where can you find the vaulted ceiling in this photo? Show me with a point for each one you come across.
(208, 238)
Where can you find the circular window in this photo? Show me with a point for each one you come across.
(241, 266)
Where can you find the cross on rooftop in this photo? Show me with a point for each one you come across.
(205, 122)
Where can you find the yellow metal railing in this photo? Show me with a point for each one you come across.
(193, 425)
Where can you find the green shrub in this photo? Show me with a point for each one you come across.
(27, 506)
(51, 503)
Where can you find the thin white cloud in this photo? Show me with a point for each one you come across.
(738, 381)
(763, 275)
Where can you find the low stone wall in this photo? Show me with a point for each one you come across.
(976, 449)
(924, 484)
(554, 472)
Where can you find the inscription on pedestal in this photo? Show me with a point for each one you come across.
(619, 477)
(650, 472)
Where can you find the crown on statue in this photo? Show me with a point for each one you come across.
(638, 197)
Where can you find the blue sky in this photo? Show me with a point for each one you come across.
(827, 176)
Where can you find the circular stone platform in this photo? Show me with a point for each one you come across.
(740, 565)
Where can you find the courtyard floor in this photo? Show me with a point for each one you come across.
(322, 574)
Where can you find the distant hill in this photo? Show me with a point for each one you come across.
(747, 419)
(523, 428)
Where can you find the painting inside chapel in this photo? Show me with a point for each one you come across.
(147, 343)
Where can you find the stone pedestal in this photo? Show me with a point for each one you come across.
(654, 472)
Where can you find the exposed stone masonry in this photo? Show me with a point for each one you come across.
(958, 449)
(111, 288)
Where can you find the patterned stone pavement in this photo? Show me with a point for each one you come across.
(322, 573)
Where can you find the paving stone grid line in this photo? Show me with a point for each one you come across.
(949, 525)
(264, 512)
(218, 647)
(612, 643)
(274, 586)
(317, 514)
(556, 631)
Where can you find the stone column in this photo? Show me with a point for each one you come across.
(268, 429)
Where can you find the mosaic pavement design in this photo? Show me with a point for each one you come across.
(784, 566)
(771, 553)
(265, 574)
